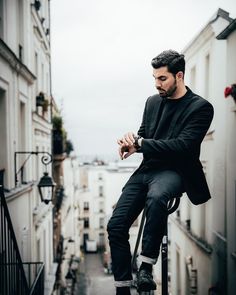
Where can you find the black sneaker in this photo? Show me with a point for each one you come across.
(145, 281)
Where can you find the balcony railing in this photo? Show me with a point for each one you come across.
(16, 278)
(35, 277)
(10, 281)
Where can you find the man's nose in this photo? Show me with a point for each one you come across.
(158, 84)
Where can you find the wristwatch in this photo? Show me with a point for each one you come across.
(137, 142)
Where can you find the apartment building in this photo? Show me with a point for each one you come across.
(201, 262)
(100, 189)
(66, 219)
(92, 204)
(25, 132)
(229, 34)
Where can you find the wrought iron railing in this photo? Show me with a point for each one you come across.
(16, 278)
(36, 277)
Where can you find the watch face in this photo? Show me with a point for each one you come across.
(140, 142)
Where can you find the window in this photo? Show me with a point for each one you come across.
(20, 52)
(38, 252)
(22, 127)
(47, 83)
(86, 222)
(86, 206)
(100, 176)
(1, 19)
(21, 28)
(178, 273)
(207, 75)
(101, 207)
(36, 72)
(3, 133)
(188, 215)
(42, 77)
(101, 222)
(100, 191)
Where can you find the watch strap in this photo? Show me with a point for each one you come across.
(136, 143)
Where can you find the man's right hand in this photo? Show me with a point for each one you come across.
(126, 145)
(125, 151)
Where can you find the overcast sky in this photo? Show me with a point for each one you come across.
(101, 53)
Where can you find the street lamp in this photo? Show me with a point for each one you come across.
(46, 188)
(46, 184)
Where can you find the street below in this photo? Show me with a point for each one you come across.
(91, 278)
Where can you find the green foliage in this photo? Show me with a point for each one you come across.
(59, 130)
(69, 147)
(57, 123)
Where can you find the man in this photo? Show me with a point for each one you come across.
(173, 127)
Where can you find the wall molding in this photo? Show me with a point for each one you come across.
(9, 56)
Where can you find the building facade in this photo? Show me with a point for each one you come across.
(92, 204)
(229, 34)
(199, 238)
(100, 189)
(66, 227)
(25, 126)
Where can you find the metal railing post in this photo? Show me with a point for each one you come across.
(172, 206)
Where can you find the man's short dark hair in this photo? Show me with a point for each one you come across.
(174, 61)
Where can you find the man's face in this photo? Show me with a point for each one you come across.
(165, 82)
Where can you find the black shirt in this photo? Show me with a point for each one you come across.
(169, 107)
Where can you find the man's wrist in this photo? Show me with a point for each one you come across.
(137, 142)
(140, 141)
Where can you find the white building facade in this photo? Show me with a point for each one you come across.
(25, 125)
(70, 230)
(199, 233)
(92, 204)
(100, 189)
(229, 34)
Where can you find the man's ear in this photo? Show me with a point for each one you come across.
(180, 75)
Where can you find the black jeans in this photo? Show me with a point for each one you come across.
(150, 189)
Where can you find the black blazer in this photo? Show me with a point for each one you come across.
(182, 146)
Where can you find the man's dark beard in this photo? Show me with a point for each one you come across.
(168, 93)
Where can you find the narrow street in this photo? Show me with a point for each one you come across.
(92, 280)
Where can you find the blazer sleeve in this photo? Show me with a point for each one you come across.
(141, 131)
(188, 139)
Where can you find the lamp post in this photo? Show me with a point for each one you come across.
(46, 184)
(46, 188)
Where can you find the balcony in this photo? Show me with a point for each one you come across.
(15, 277)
